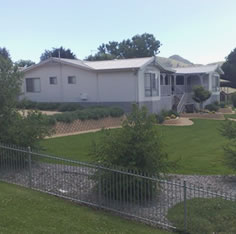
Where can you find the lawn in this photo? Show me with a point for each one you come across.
(198, 148)
(215, 216)
(26, 211)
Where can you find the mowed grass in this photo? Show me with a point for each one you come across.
(26, 211)
(198, 149)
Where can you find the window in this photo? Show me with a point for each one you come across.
(215, 83)
(179, 80)
(167, 80)
(53, 80)
(151, 85)
(71, 80)
(33, 85)
(162, 80)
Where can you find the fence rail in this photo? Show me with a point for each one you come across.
(127, 192)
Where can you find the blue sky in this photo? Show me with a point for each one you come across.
(202, 31)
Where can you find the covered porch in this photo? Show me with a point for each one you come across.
(178, 84)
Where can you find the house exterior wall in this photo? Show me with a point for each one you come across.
(62, 91)
(154, 104)
(117, 88)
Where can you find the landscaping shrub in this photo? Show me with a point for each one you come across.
(69, 107)
(222, 105)
(86, 114)
(212, 107)
(170, 114)
(205, 215)
(233, 98)
(137, 147)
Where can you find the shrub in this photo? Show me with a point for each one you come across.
(137, 146)
(86, 114)
(69, 107)
(222, 105)
(159, 118)
(212, 107)
(116, 112)
(233, 98)
(205, 215)
(200, 94)
(172, 116)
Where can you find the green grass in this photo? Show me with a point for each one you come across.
(232, 116)
(26, 211)
(198, 148)
(215, 216)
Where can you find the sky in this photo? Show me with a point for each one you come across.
(202, 31)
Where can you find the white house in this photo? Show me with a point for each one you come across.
(117, 82)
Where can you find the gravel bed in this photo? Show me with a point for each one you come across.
(75, 182)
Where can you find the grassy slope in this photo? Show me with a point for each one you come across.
(199, 147)
(215, 216)
(25, 211)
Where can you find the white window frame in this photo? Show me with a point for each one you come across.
(35, 88)
(151, 84)
(54, 79)
(71, 79)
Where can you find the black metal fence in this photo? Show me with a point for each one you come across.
(130, 193)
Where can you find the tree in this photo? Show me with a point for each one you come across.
(24, 63)
(4, 53)
(200, 95)
(229, 68)
(137, 147)
(15, 128)
(56, 52)
(144, 45)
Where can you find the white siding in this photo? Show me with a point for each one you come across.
(114, 86)
(117, 86)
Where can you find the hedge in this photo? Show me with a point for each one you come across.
(86, 114)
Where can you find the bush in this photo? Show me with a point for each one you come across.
(159, 118)
(69, 107)
(86, 114)
(205, 215)
(134, 147)
(212, 107)
(233, 98)
(222, 105)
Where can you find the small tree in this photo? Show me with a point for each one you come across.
(200, 95)
(137, 147)
(15, 128)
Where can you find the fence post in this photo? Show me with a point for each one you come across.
(99, 187)
(185, 206)
(30, 169)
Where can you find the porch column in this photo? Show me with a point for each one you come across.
(201, 80)
(185, 84)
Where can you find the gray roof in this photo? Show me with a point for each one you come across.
(199, 70)
(119, 63)
(116, 64)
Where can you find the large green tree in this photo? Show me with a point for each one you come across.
(16, 128)
(229, 67)
(56, 52)
(24, 63)
(4, 53)
(144, 45)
